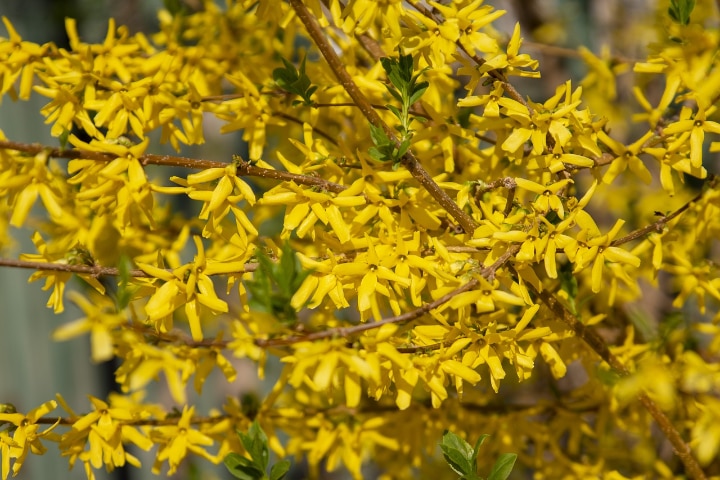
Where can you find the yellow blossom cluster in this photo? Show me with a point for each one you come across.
(471, 260)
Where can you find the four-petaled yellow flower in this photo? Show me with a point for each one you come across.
(695, 128)
(188, 285)
(177, 440)
(106, 429)
(547, 199)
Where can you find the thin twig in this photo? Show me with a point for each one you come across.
(495, 74)
(347, 331)
(95, 270)
(659, 225)
(244, 169)
(317, 130)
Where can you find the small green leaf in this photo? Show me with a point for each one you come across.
(457, 461)
(279, 470)
(680, 11)
(175, 7)
(397, 95)
(255, 443)
(378, 135)
(63, 138)
(243, 468)
(295, 81)
(477, 447)
(395, 111)
(124, 293)
(458, 454)
(273, 285)
(418, 92)
(503, 467)
(404, 146)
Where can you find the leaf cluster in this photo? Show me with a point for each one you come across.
(295, 81)
(406, 89)
(255, 442)
(275, 283)
(462, 458)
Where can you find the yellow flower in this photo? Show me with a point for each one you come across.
(55, 279)
(374, 268)
(21, 58)
(626, 156)
(547, 198)
(100, 320)
(513, 62)
(305, 207)
(188, 285)
(435, 40)
(106, 431)
(675, 157)
(696, 127)
(582, 251)
(26, 436)
(699, 278)
(176, 441)
(222, 199)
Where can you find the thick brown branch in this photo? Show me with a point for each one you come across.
(409, 161)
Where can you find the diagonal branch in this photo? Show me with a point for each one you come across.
(409, 160)
(598, 345)
(659, 225)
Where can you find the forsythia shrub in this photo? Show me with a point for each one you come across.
(422, 246)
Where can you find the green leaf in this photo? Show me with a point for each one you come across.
(255, 443)
(243, 468)
(404, 146)
(279, 470)
(503, 467)
(458, 454)
(63, 138)
(273, 285)
(418, 91)
(457, 461)
(680, 11)
(477, 447)
(175, 7)
(378, 135)
(124, 293)
(395, 111)
(295, 81)
(397, 95)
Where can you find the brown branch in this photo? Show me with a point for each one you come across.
(93, 270)
(598, 345)
(487, 272)
(373, 408)
(495, 74)
(244, 169)
(140, 422)
(659, 225)
(347, 331)
(317, 130)
(408, 161)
